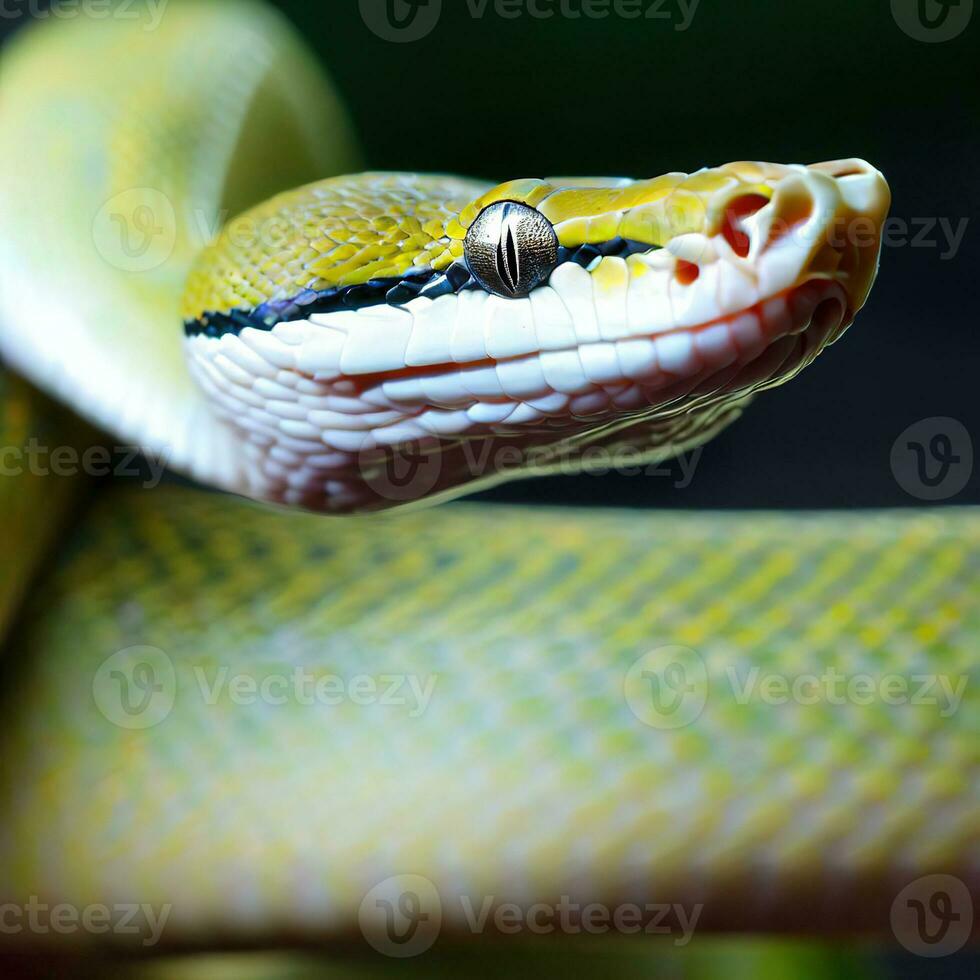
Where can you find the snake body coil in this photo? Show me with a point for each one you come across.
(474, 332)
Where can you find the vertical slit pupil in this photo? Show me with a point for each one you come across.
(506, 257)
(512, 263)
(501, 263)
(510, 249)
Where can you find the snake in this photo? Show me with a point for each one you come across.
(194, 266)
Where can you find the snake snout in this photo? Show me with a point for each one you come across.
(821, 222)
(854, 204)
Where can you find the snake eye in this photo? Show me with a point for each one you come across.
(511, 248)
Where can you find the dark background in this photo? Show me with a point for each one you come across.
(791, 81)
(783, 80)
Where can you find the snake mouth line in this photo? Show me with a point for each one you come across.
(308, 430)
(652, 360)
(318, 428)
(439, 423)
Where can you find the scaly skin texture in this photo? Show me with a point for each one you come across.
(534, 770)
(735, 278)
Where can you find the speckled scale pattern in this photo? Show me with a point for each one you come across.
(527, 775)
(336, 232)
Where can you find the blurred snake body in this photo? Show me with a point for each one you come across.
(482, 331)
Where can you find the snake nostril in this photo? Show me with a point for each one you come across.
(795, 212)
(686, 272)
(736, 212)
(848, 168)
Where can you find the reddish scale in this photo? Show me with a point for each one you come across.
(794, 215)
(735, 213)
(686, 272)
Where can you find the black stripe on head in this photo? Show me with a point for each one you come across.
(391, 291)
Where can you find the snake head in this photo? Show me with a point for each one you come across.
(383, 339)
